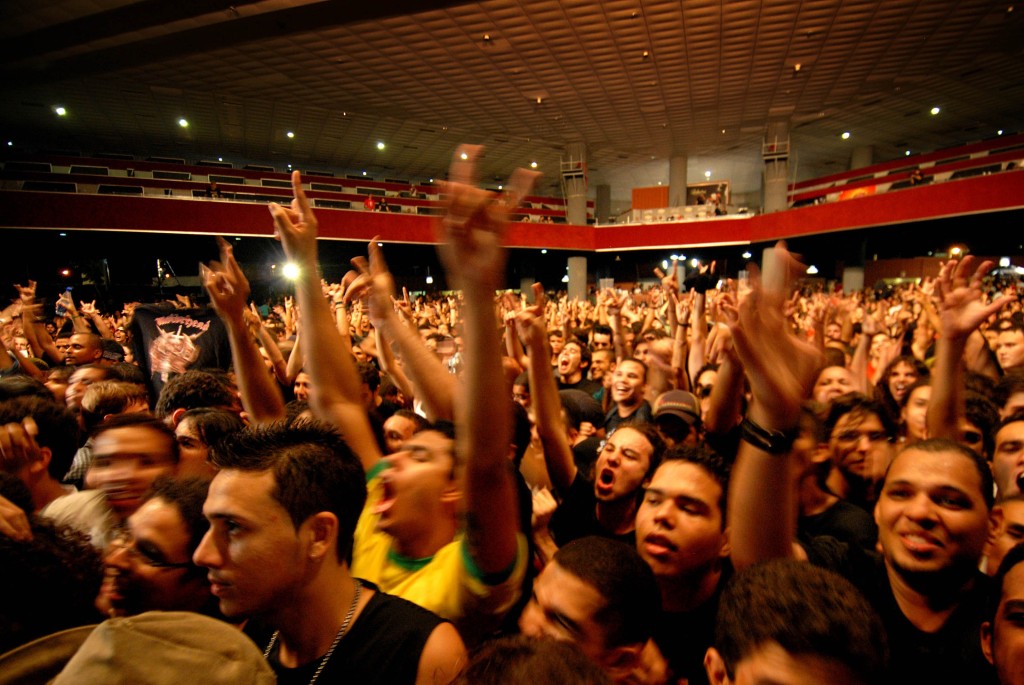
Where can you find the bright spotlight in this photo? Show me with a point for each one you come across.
(812, 270)
(291, 271)
(746, 255)
(183, 122)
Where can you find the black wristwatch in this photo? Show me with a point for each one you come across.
(772, 442)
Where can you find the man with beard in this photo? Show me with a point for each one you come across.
(573, 362)
(932, 512)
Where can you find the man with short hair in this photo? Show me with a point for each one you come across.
(282, 511)
(598, 594)
(1010, 347)
(84, 348)
(149, 565)
(932, 513)
(788, 622)
(1002, 636)
(1008, 521)
(682, 534)
(628, 391)
(573, 362)
(677, 417)
(601, 338)
(1008, 455)
(409, 539)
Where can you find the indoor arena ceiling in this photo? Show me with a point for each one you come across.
(635, 80)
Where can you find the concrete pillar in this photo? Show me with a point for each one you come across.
(526, 286)
(853, 279)
(603, 203)
(677, 181)
(861, 157)
(775, 152)
(578, 277)
(574, 183)
(776, 186)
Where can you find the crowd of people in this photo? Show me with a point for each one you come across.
(704, 482)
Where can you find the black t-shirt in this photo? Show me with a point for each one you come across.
(641, 415)
(576, 516)
(383, 645)
(588, 386)
(950, 655)
(843, 521)
(684, 637)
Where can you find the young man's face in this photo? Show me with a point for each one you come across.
(602, 341)
(256, 558)
(302, 386)
(397, 429)
(931, 514)
(771, 663)
(82, 349)
(628, 383)
(1014, 404)
(1008, 519)
(1008, 459)
(152, 569)
(601, 364)
(915, 413)
(1010, 349)
(860, 446)
(1002, 639)
(563, 607)
(125, 463)
(679, 529)
(570, 361)
(831, 383)
(417, 482)
(622, 465)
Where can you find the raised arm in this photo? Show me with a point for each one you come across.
(762, 505)
(471, 234)
(229, 294)
(432, 383)
(547, 407)
(961, 311)
(337, 394)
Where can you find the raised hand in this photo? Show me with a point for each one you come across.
(296, 226)
(961, 306)
(471, 232)
(226, 284)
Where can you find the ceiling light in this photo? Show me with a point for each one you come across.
(380, 145)
(60, 111)
(63, 235)
(430, 180)
(659, 183)
(723, 130)
(674, 258)
(10, 143)
(1004, 262)
(543, 251)
(664, 264)
(540, 100)
(291, 271)
(464, 156)
(955, 251)
(273, 267)
(846, 135)
(999, 132)
(290, 134)
(646, 54)
(487, 36)
(812, 270)
(796, 67)
(430, 280)
(183, 122)
(364, 173)
(746, 255)
(694, 262)
(220, 159)
(289, 166)
(533, 165)
(707, 174)
(501, 187)
(935, 110)
(565, 278)
(906, 153)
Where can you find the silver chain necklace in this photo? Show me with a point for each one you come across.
(337, 637)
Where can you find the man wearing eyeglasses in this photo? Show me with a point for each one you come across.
(149, 567)
(860, 435)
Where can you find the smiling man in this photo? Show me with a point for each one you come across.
(628, 388)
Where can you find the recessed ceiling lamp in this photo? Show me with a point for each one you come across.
(533, 165)
(846, 135)
(183, 122)
(935, 110)
(60, 111)
(290, 134)
(707, 174)
(380, 145)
